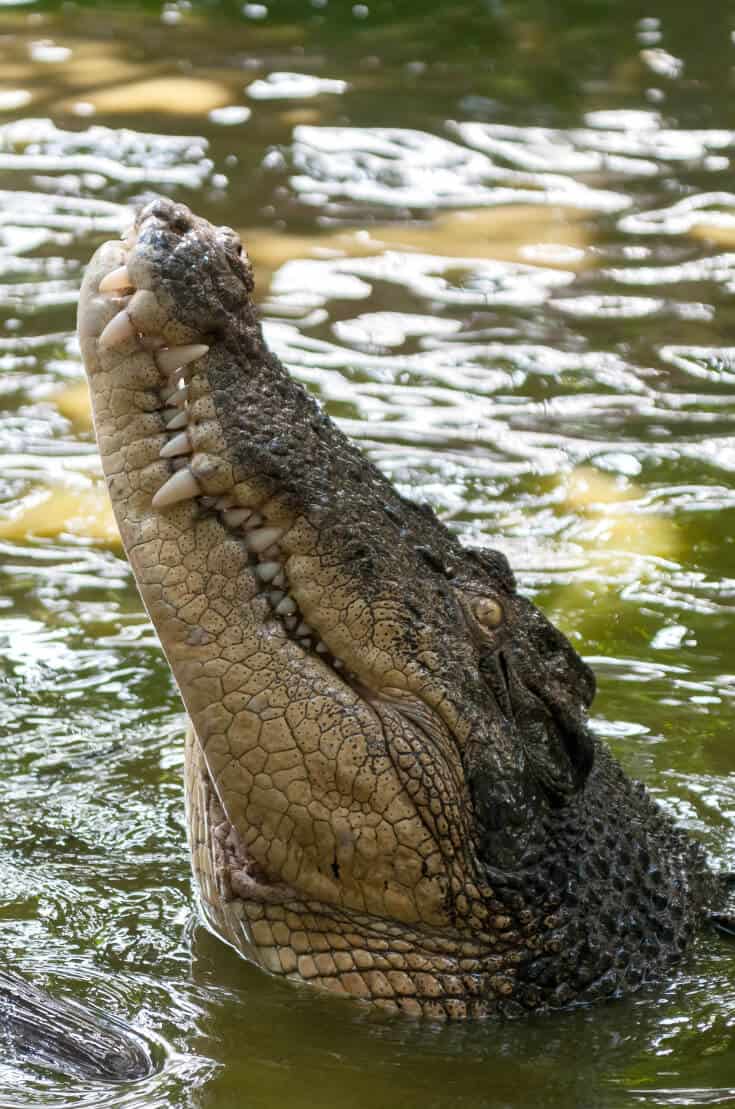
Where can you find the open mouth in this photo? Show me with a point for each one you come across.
(180, 420)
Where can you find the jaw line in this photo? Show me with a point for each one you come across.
(109, 320)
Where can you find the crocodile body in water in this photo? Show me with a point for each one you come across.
(392, 789)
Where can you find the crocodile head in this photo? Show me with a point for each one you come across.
(392, 789)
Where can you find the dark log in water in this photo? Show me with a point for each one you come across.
(67, 1037)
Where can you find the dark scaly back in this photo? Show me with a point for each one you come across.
(620, 891)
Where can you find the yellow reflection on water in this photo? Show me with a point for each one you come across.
(611, 523)
(168, 95)
(73, 401)
(47, 513)
(535, 234)
(618, 541)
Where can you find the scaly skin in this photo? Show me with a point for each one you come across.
(392, 791)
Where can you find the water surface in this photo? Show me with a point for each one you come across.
(498, 241)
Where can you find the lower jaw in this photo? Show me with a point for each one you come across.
(397, 969)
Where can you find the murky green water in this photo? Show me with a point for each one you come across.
(498, 240)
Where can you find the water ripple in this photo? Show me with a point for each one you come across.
(396, 168)
(108, 158)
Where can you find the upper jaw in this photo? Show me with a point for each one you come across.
(160, 439)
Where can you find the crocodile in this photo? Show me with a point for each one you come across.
(392, 788)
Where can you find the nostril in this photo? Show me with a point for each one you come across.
(160, 208)
(231, 240)
(181, 218)
(177, 216)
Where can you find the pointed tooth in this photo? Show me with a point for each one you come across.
(260, 539)
(291, 622)
(234, 517)
(171, 389)
(115, 280)
(321, 647)
(303, 629)
(280, 580)
(179, 420)
(255, 520)
(275, 597)
(337, 663)
(118, 330)
(286, 607)
(175, 396)
(180, 444)
(266, 571)
(172, 358)
(181, 486)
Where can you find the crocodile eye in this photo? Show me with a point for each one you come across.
(487, 612)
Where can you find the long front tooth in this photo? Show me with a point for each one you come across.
(172, 358)
(181, 419)
(118, 330)
(286, 607)
(180, 444)
(115, 280)
(181, 486)
(260, 539)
